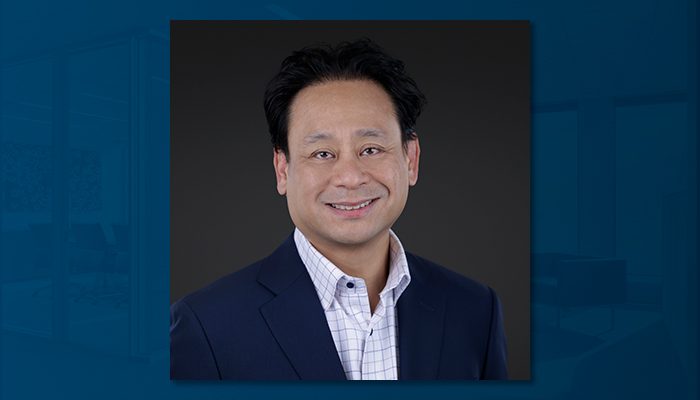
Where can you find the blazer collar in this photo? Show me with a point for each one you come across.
(421, 313)
(297, 320)
(295, 316)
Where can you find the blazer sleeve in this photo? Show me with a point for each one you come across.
(496, 363)
(191, 356)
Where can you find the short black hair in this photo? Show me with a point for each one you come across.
(358, 60)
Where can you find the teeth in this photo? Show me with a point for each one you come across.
(348, 208)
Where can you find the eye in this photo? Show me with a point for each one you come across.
(323, 155)
(370, 151)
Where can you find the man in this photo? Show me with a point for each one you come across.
(340, 298)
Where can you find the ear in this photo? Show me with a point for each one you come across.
(279, 160)
(413, 157)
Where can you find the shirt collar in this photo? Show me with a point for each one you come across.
(325, 275)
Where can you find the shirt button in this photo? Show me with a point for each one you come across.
(350, 285)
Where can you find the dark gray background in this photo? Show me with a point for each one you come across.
(470, 210)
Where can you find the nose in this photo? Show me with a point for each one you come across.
(348, 172)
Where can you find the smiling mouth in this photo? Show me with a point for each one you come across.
(351, 206)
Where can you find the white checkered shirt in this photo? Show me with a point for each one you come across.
(367, 343)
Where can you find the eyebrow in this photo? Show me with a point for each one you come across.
(318, 136)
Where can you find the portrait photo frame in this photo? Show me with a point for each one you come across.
(470, 209)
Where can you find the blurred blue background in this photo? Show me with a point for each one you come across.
(84, 245)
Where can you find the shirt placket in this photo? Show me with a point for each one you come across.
(367, 323)
(356, 332)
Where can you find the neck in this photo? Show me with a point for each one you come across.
(369, 261)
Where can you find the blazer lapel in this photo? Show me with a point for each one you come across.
(295, 316)
(421, 312)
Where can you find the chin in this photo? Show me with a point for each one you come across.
(353, 238)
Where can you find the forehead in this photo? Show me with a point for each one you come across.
(330, 109)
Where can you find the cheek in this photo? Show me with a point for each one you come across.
(392, 174)
(305, 184)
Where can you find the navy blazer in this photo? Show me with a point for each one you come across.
(265, 322)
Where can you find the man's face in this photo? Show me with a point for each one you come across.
(347, 176)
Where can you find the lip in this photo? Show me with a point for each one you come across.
(352, 214)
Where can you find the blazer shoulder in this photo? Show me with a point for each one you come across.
(244, 291)
(450, 282)
(474, 320)
(236, 288)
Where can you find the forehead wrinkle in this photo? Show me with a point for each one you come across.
(316, 136)
(369, 132)
(319, 136)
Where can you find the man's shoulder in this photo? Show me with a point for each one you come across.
(235, 288)
(244, 291)
(451, 283)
